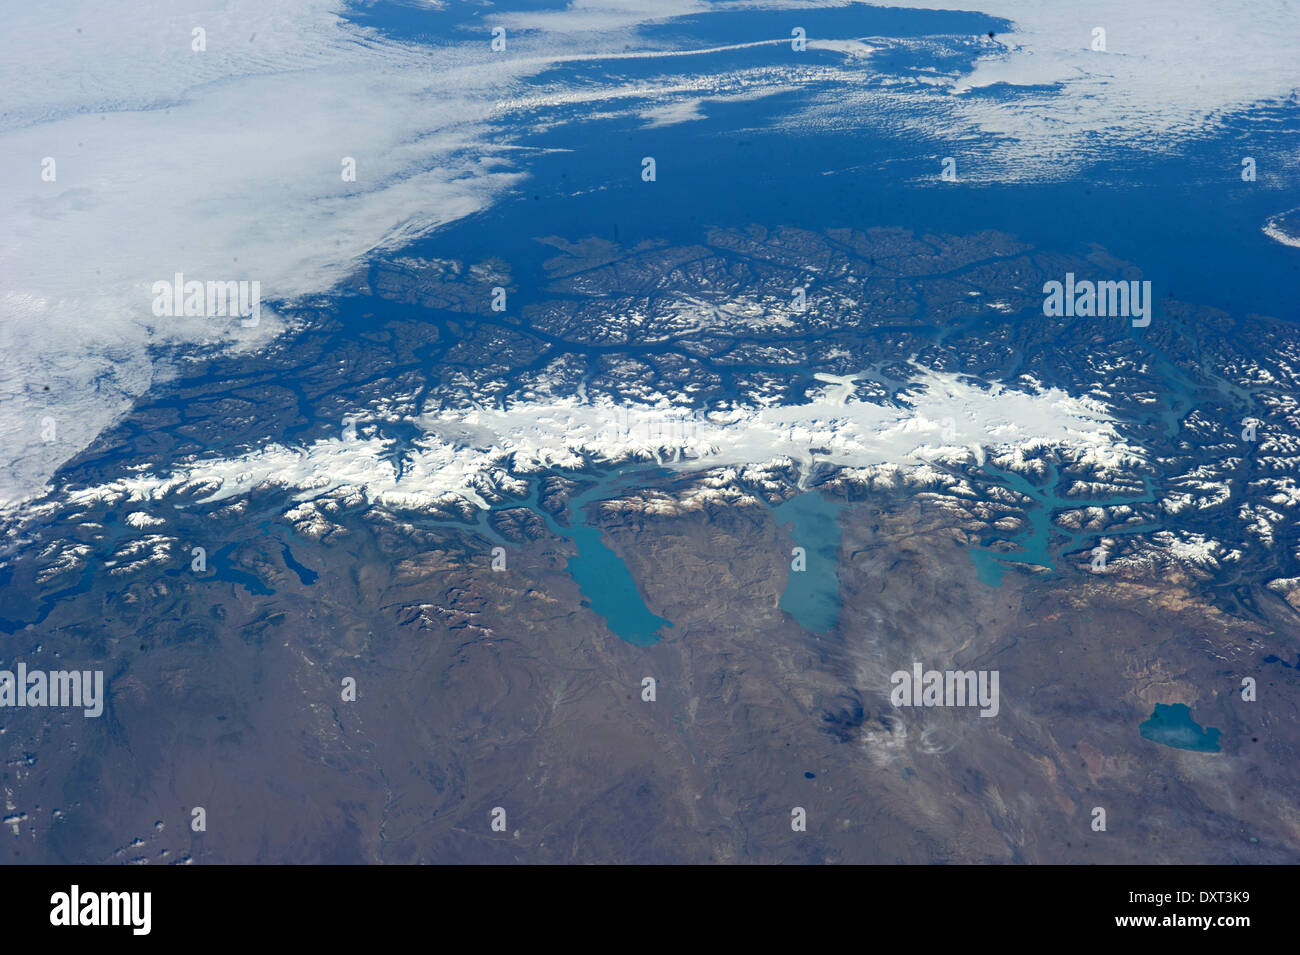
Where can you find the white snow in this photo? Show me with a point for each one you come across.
(945, 418)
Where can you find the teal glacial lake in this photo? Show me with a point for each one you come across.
(812, 595)
(603, 578)
(1173, 725)
(1042, 542)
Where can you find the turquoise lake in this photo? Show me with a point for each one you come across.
(603, 577)
(1173, 725)
(812, 596)
(604, 580)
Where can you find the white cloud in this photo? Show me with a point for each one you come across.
(1171, 69)
(225, 164)
(222, 165)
